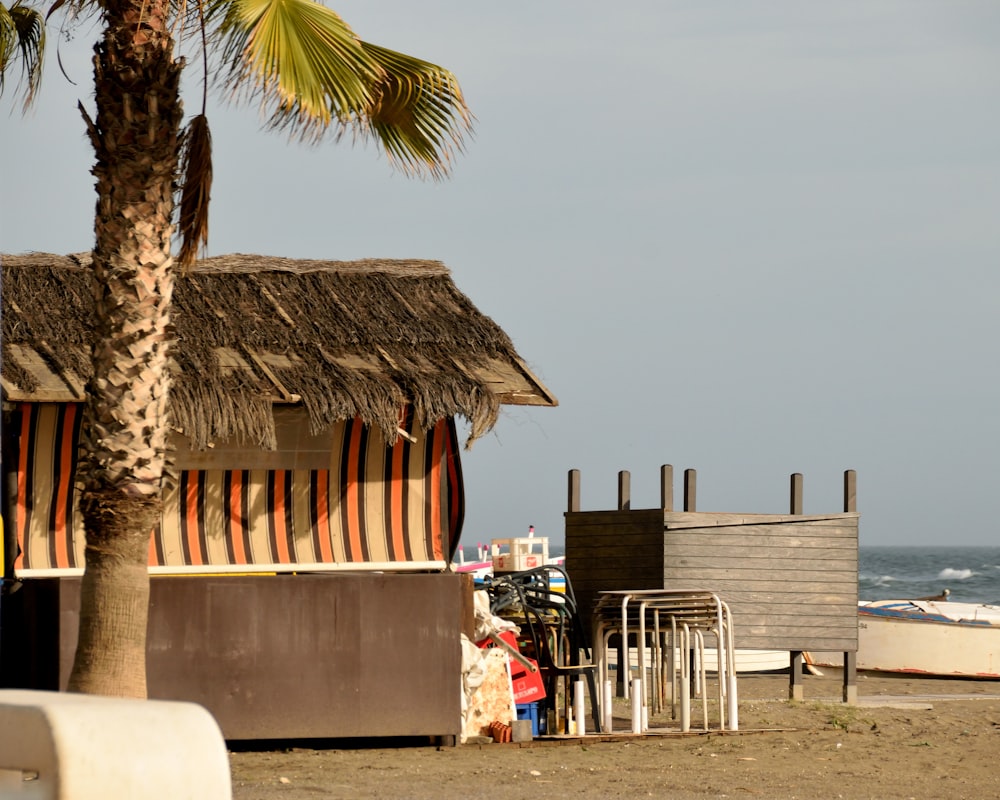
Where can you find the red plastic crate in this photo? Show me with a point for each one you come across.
(527, 685)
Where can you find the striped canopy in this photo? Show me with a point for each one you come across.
(339, 500)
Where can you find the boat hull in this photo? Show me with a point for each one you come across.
(746, 660)
(957, 640)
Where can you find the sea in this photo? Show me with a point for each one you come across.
(970, 574)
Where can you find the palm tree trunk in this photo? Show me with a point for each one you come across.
(136, 141)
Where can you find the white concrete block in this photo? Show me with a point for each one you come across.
(60, 746)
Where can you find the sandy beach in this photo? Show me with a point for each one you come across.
(907, 737)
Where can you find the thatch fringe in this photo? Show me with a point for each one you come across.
(204, 414)
(346, 339)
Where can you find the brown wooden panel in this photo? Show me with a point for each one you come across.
(279, 656)
(790, 580)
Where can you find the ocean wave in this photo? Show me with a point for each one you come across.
(955, 574)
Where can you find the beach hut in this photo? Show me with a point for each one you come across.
(300, 567)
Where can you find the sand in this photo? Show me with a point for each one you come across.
(908, 737)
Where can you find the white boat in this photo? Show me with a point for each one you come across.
(512, 555)
(480, 568)
(927, 637)
(755, 660)
(746, 660)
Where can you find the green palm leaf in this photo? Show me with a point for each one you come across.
(312, 74)
(419, 114)
(300, 57)
(22, 31)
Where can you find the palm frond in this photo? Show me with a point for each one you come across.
(419, 114)
(196, 187)
(313, 73)
(22, 32)
(299, 57)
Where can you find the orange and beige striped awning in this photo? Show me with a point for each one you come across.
(342, 500)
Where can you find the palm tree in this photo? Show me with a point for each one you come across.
(312, 75)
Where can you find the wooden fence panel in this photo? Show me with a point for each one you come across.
(790, 580)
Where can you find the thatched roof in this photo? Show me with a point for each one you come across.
(345, 338)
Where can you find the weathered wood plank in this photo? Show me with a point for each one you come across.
(751, 559)
(747, 620)
(592, 534)
(618, 580)
(787, 592)
(623, 558)
(725, 538)
(793, 605)
(801, 633)
(612, 570)
(598, 537)
(679, 520)
(700, 519)
(597, 546)
(623, 567)
(814, 641)
(640, 516)
(777, 573)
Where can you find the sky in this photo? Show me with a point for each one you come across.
(743, 237)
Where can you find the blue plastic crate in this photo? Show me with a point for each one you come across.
(536, 713)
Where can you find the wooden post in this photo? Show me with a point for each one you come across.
(851, 678)
(796, 691)
(624, 491)
(850, 490)
(573, 499)
(624, 504)
(690, 490)
(795, 501)
(850, 658)
(623, 675)
(667, 487)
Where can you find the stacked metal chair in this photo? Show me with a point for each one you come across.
(669, 629)
(552, 632)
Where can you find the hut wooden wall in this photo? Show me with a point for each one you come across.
(274, 657)
(791, 581)
(609, 550)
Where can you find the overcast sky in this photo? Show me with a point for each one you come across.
(749, 238)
